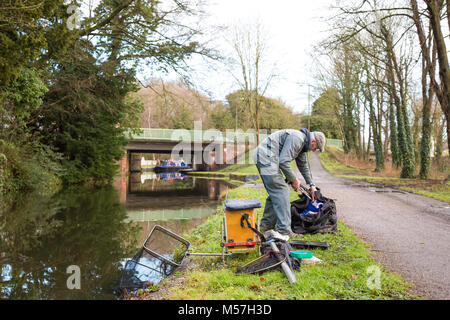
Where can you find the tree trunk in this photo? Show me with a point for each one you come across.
(257, 106)
(428, 67)
(368, 142)
(434, 10)
(439, 125)
(379, 159)
(395, 158)
(406, 157)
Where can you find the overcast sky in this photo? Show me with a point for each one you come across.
(293, 28)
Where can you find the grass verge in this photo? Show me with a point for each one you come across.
(235, 172)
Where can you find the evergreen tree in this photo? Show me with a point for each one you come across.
(325, 114)
(222, 119)
(84, 117)
(32, 31)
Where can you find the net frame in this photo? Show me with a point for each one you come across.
(158, 228)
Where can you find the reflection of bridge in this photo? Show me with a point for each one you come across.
(153, 193)
(165, 176)
(156, 191)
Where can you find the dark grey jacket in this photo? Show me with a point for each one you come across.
(278, 150)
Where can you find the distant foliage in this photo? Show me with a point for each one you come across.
(325, 115)
(222, 119)
(173, 105)
(274, 114)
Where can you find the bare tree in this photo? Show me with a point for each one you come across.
(250, 47)
(435, 8)
(425, 19)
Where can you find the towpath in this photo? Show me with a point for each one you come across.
(409, 234)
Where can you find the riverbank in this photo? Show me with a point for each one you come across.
(347, 271)
(339, 165)
(240, 172)
(28, 166)
(232, 177)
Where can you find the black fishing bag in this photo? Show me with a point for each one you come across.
(325, 220)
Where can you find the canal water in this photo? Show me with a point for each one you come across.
(75, 244)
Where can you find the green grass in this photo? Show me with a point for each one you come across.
(343, 274)
(233, 172)
(437, 190)
(332, 164)
(439, 193)
(242, 165)
(242, 169)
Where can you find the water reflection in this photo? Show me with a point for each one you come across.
(173, 200)
(97, 230)
(161, 176)
(142, 271)
(42, 236)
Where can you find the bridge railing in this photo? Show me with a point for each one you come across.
(193, 135)
(334, 142)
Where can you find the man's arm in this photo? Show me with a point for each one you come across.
(303, 167)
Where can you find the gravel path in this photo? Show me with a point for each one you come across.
(409, 234)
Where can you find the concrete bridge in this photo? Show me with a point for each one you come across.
(202, 149)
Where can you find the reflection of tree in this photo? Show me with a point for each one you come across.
(41, 237)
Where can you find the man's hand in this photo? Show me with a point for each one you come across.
(296, 184)
(313, 191)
